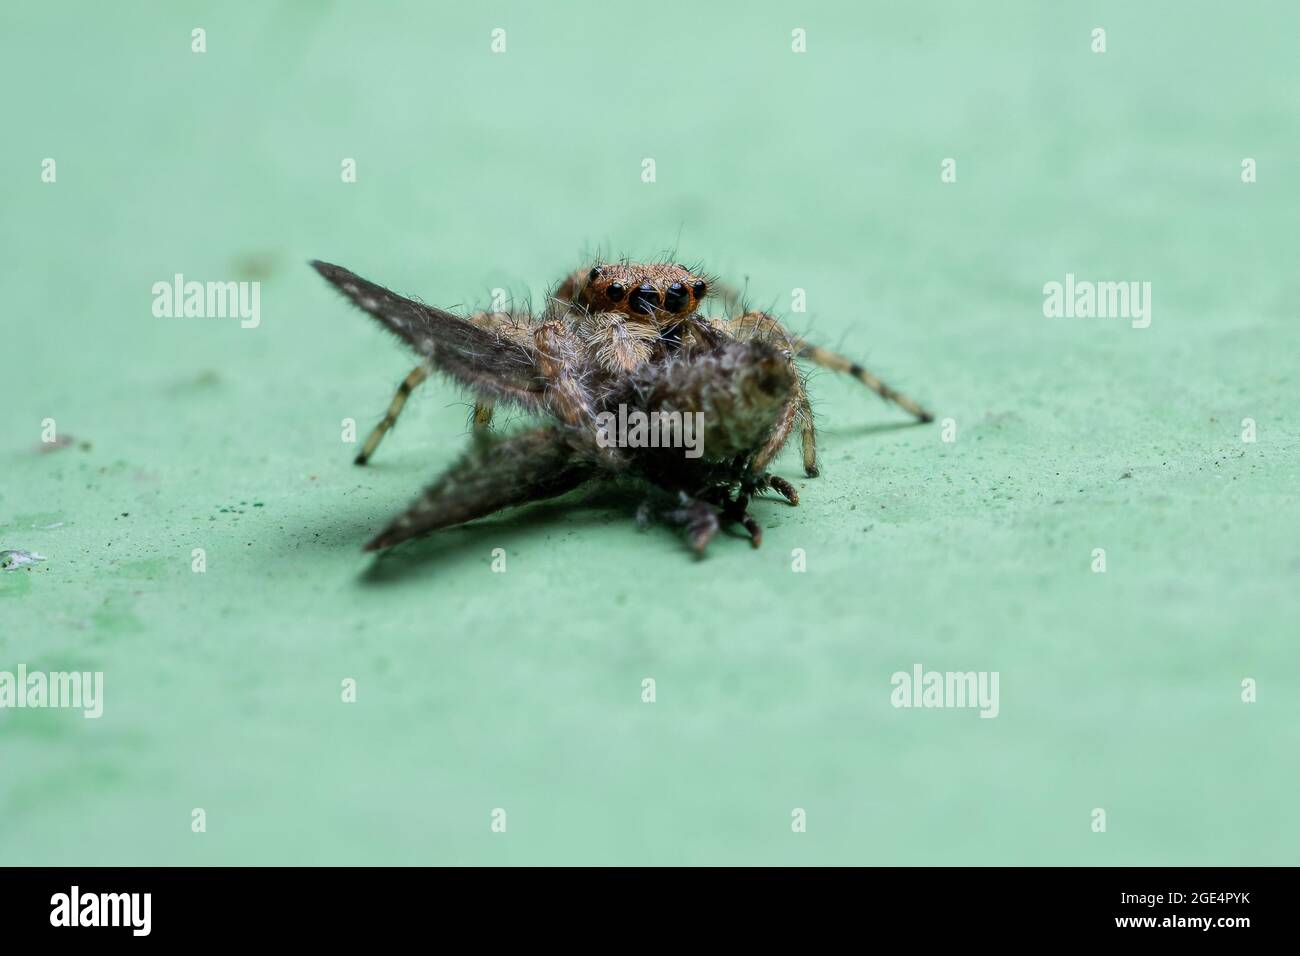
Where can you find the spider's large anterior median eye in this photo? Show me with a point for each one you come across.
(616, 292)
(677, 297)
(645, 299)
(699, 289)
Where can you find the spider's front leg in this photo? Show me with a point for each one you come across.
(796, 414)
(560, 366)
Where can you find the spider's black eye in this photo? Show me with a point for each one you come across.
(699, 289)
(645, 299)
(676, 298)
(594, 274)
(615, 291)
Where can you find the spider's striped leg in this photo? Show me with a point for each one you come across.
(495, 363)
(409, 384)
(761, 324)
(500, 322)
(838, 363)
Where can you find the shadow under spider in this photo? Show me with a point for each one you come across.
(584, 507)
(597, 504)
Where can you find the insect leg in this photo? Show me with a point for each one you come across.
(783, 488)
(738, 511)
(698, 518)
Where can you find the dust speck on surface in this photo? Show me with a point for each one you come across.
(255, 265)
(61, 441)
(16, 558)
(195, 382)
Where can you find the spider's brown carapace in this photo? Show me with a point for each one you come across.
(613, 336)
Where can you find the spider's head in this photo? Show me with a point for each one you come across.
(663, 292)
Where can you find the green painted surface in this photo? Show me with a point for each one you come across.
(522, 690)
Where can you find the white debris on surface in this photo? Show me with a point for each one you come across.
(17, 558)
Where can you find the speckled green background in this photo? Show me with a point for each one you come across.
(522, 690)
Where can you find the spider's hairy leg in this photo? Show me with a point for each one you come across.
(796, 413)
(492, 364)
(761, 324)
(565, 293)
(515, 326)
(730, 297)
(528, 466)
(560, 365)
(807, 437)
(797, 410)
(409, 384)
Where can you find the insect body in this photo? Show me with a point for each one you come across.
(612, 337)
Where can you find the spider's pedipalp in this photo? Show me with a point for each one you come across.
(615, 344)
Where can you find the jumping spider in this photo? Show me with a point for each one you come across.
(611, 335)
